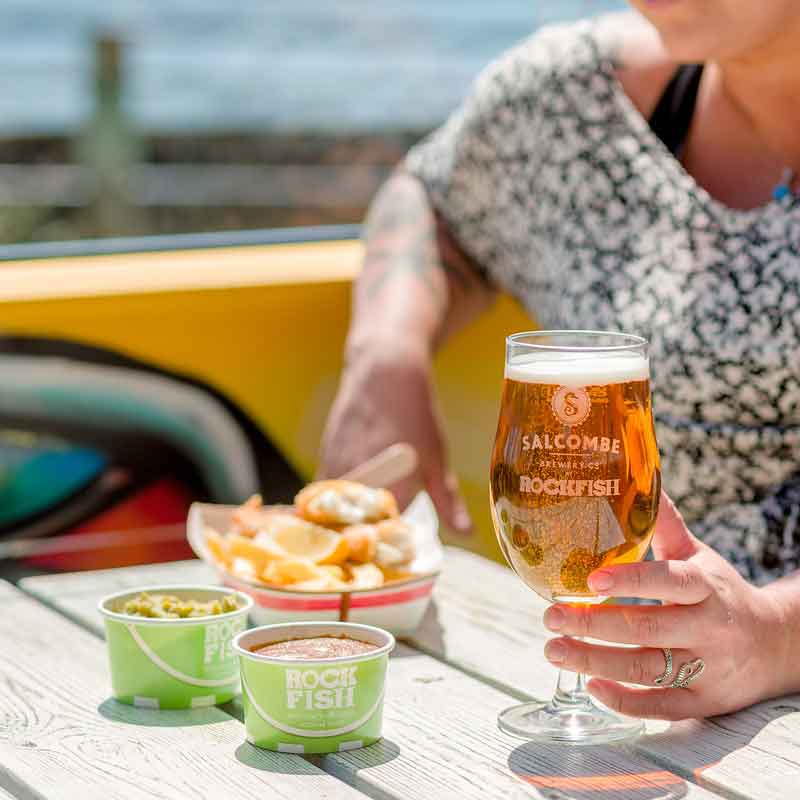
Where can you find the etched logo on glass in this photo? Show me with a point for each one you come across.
(571, 404)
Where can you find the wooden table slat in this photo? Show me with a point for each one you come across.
(76, 594)
(191, 571)
(61, 736)
(442, 742)
(441, 739)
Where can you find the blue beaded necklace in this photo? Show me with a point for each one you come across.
(784, 188)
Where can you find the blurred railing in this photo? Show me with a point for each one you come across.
(114, 180)
(200, 184)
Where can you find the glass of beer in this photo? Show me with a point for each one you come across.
(574, 486)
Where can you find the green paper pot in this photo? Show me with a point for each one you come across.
(313, 705)
(174, 663)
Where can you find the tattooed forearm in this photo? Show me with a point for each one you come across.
(404, 236)
(400, 236)
(416, 280)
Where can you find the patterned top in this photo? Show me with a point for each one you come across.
(553, 181)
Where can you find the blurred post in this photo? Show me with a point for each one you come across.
(109, 148)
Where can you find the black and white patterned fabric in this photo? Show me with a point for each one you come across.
(555, 184)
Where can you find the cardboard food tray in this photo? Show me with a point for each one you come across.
(397, 606)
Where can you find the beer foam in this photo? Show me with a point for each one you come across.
(579, 369)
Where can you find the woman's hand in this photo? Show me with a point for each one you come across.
(386, 396)
(710, 612)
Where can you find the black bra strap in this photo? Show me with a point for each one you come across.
(672, 117)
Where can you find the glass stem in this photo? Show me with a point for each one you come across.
(571, 691)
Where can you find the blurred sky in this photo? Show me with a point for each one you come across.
(254, 64)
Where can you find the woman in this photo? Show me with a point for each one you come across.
(550, 184)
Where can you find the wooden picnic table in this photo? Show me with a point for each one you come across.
(478, 651)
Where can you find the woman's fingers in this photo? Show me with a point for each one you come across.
(443, 488)
(648, 626)
(668, 704)
(681, 582)
(672, 538)
(640, 665)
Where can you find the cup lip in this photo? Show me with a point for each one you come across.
(245, 604)
(633, 341)
(336, 627)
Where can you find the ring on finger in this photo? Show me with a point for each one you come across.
(667, 673)
(688, 672)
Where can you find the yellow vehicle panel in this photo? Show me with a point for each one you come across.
(266, 326)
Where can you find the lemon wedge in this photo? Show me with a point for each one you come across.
(311, 542)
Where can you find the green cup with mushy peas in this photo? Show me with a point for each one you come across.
(171, 646)
(313, 687)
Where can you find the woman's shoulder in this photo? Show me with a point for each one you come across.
(641, 64)
(565, 55)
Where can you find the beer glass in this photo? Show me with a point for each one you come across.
(574, 486)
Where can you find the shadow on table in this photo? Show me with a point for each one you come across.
(404, 649)
(559, 772)
(168, 718)
(375, 755)
(699, 748)
(692, 748)
(269, 761)
(235, 708)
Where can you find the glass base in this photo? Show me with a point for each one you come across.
(581, 723)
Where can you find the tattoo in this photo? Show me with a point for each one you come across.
(405, 237)
(399, 235)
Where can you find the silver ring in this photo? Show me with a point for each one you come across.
(688, 672)
(666, 674)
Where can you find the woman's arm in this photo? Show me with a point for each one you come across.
(416, 288)
(785, 593)
(416, 279)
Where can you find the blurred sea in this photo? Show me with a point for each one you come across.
(246, 65)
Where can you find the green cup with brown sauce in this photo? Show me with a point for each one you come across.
(313, 687)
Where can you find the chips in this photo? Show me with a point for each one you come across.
(288, 547)
(260, 553)
(291, 570)
(366, 576)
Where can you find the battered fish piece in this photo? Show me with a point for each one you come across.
(338, 502)
(395, 543)
(389, 543)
